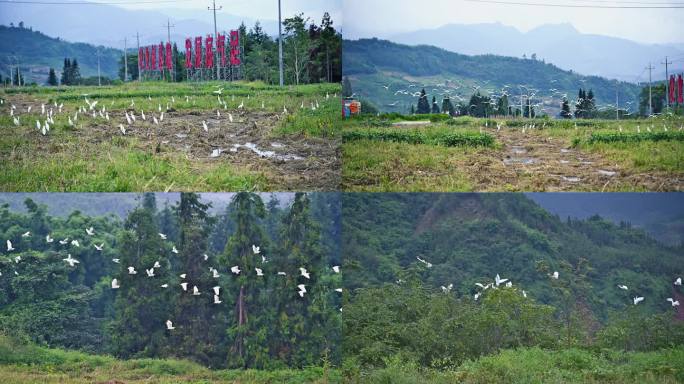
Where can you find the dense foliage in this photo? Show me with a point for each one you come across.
(452, 139)
(49, 302)
(402, 309)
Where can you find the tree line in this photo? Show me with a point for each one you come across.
(262, 321)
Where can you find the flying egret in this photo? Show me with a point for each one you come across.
(115, 284)
(164, 285)
(302, 290)
(336, 268)
(90, 231)
(623, 287)
(554, 275)
(116, 260)
(637, 300)
(71, 260)
(499, 280)
(150, 272)
(674, 302)
(174, 250)
(216, 300)
(216, 289)
(184, 286)
(132, 271)
(65, 241)
(264, 260)
(9, 246)
(338, 290)
(280, 273)
(169, 325)
(235, 270)
(26, 234)
(75, 243)
(183, 275)
(216, 274)
(259, 272)
(304, 273)
(49, 239)
(678, 281)
(255, 249)
(195, 291)
(163, 236)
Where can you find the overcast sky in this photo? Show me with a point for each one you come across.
(381, 18)
(254, 9)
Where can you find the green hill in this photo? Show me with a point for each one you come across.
(36, 53)
(372, 63)
(470, 238)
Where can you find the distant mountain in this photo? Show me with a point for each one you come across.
(559, 44)
(36, 53)
(372, 64)
(109, 25)
(659, 214)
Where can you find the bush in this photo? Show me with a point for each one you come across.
(418, 137)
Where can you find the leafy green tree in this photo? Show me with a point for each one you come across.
(423, 103)
(52, 78)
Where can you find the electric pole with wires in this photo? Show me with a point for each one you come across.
(650, 94)
(215, 35)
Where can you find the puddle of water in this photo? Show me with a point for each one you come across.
(571, 179)
(518, 150)
(607, 173)
(519, 160)
(266, 154)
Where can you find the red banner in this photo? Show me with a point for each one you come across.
(140, 58)
(148, 65)
(154, 57)
(188, 53)
(235, 48)
(671, 91)
(221, 48)
(160, 62)
(680, 83)
(169, 57)
(198, 52)
(209, 59)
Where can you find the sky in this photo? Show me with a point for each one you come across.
(383, 18)
(255, 9)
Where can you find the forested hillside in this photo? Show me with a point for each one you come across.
(373, 63)
(178, 281)
(36, 53)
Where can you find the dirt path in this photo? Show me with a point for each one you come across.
(535, 161)
(248, 142)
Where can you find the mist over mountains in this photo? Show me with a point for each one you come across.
(108, 25)
(559, 44)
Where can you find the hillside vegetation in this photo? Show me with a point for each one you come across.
(372, 63)
(37, 52)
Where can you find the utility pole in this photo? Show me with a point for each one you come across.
(168, 36)
(650, 95)
(99, 79)
(137, 39)
(617, 103)
(667, 84)
(280, 45)
(125, 61)
(215, 35)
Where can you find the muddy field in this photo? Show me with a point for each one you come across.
(535, 161)
(249, 142)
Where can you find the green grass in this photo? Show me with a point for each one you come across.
(447, 139)
(70, 162)
(378, 156)
(534, 365)
(27, 363)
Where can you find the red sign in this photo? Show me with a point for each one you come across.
(221, 48)
(209, 51)
(160, 62)
(680, 83)
(198, 52)
(188, 53)
(169, 56)
(234, 48)
(671, 90)
(148, 65)
(234, 39)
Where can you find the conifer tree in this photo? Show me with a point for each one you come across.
(52, 78)
(423, 103)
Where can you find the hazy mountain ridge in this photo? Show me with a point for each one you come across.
(560, 44)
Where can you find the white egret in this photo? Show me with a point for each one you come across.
(99, 247)
(71, 260)
(259, 271)
(169, 325)
(132, 271)
(195, 291)
(637, 300)
(336, 268)
(184, 286)
(163, 236)
(115, 284)
(304, 273)
(674, 302)
(255, 249)
(90, 231)
(235, 270)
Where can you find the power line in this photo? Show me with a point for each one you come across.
(558, 5)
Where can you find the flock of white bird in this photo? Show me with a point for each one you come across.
(150, 273)
(555, 276)
(90, 109)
